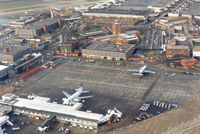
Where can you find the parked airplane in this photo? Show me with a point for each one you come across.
(3, 120)
(141, 71)
(74, 97)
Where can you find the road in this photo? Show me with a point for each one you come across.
(151, 39)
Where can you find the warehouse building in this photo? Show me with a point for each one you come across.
(181, 50)
(99, 50)
(39, 27)
(22, 22)
(102, 16)
(9, 54)
(118, 37)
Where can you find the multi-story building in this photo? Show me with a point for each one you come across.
(177, 51)
(99, 50)
(39, 27)
(11, 53)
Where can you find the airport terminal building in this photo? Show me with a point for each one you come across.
(42, 107)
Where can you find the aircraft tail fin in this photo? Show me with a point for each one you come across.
(66, 94)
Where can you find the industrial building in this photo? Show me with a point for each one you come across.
(166, 22)
(99, 50)
(22, 22)
(4, 72)
(69, 48)
(27, 61)
(108, 16)
(36, 106)
(177, 51)
(39, 27)
(118, 37)
(9, 54)
(181, 32)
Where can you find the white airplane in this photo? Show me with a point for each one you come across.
(3, 120)
(57, 9)
(141, 71)
(74, 97)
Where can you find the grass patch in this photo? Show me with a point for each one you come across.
(141, 32)
(93, 29)
(62, 30)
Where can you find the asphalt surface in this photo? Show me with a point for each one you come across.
(111, 85)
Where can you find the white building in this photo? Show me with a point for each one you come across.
(196, 51)
(4, 71)
(36, 106)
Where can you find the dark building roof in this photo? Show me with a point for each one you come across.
(121, 11)
(109, 47)
(12, 49)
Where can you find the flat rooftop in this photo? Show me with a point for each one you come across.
(109, 47)
(42, 105)
(40, 23)
(12, 49)
(4, 109)
(121, 12)
(193, 10)
(2, 67)
(131, 32)
(160, 3)
(139, 3)
(106, 36)
(178, 47)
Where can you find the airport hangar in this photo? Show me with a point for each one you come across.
(98, 50)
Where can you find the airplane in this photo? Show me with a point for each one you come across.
(57, 9)
(74, 97)
(141, 71)
(3, 120)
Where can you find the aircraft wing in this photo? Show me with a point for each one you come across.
(148, 71)
(66, 94)
(85, 91)
(1, 130)
(132, 70)
(138, 74)
(10, 122)
(85, 97)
